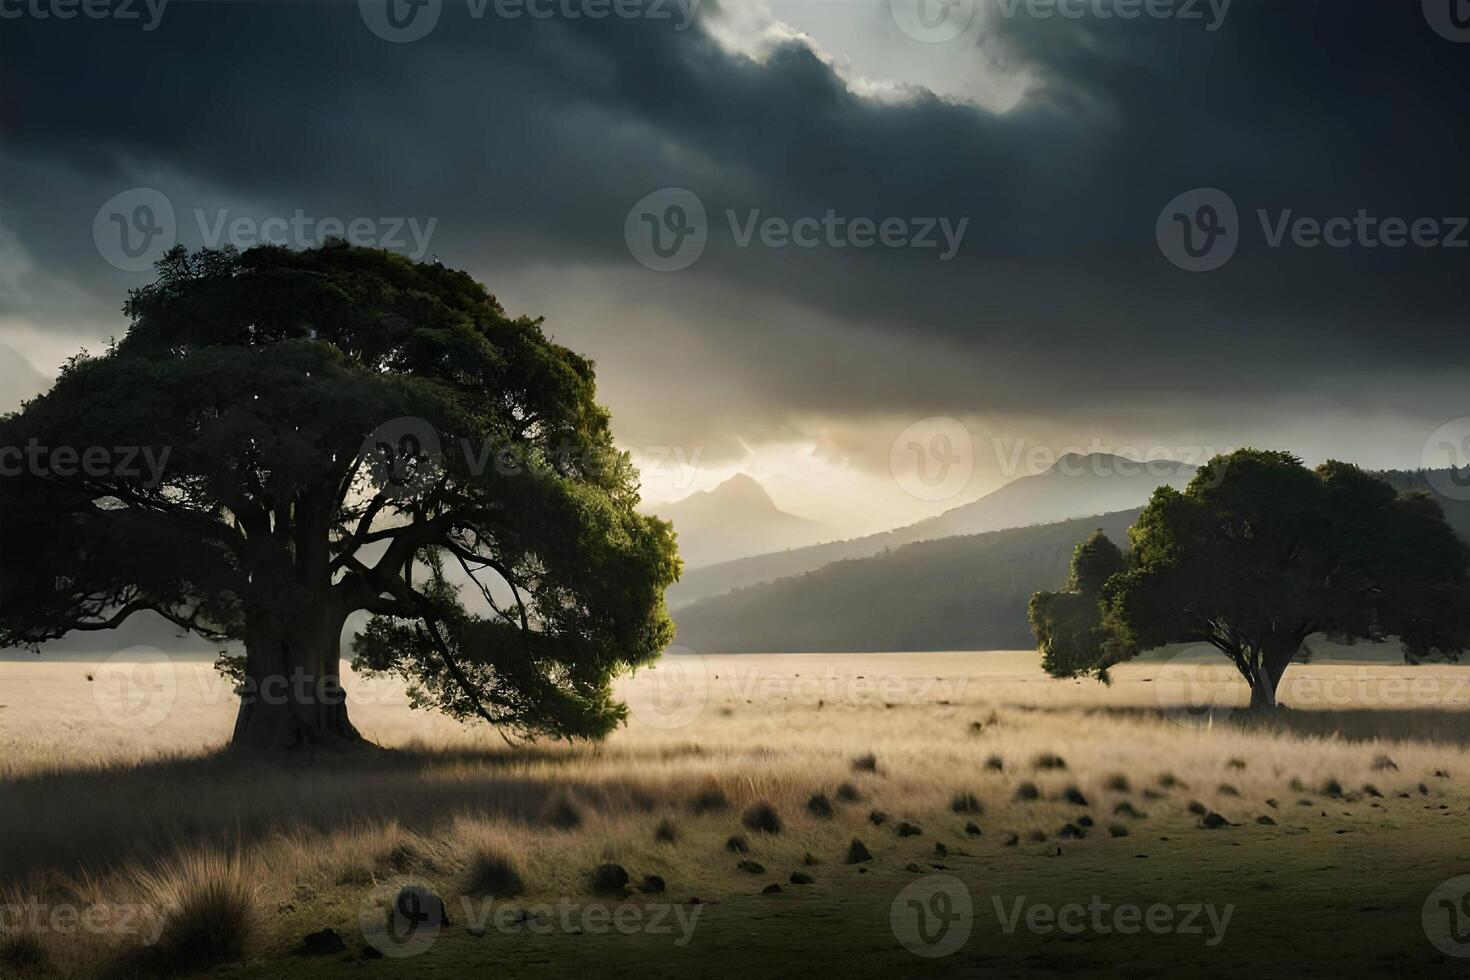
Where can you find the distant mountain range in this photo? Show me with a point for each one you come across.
(957, 593)
(735, 519)
(1074, 487)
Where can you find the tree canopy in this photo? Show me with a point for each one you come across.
(1259, 552)
(342, 429)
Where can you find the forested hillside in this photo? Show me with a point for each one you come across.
(959, 593)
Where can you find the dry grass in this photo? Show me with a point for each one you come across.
(211, 913)
(242, 857)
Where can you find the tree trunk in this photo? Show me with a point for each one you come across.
(1276, 655)
(292, 695)
(1263, 691)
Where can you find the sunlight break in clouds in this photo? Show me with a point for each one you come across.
(861, 41)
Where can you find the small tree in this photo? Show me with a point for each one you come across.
(1068, 625)
(1259, 552)
(335, 427)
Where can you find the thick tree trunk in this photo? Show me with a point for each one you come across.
(1263, 692)
(1275, 656)
(292, 696)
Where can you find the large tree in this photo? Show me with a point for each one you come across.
(1259, 552)
(341, 429)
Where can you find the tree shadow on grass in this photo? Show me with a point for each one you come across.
(106, 816)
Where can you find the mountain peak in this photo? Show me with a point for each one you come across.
(735, 519)
(744, 486)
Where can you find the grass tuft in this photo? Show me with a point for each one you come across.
(819, 806)
(561, 813)
(965, 803)
(210, 903)
(762, 817)
(710, 799)
(488, 871)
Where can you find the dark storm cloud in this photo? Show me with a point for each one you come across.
(530, 140)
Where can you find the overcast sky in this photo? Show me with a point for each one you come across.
(1032, 282)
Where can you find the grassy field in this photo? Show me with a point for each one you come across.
(1028, 826)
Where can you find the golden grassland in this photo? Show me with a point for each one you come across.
(114, 800)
